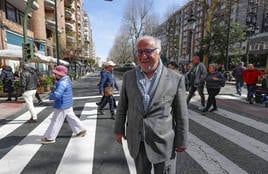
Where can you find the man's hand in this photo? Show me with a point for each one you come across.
(180, 149)
(119, 137)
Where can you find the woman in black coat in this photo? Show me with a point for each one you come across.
(7, 77)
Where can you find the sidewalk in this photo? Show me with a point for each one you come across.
(8, 108)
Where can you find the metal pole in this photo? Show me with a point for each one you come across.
(25, 19)
(190, 46)
(25, 23)
(228, 37)
(57, 34)
(247, 51)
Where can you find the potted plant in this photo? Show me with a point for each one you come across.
(17, 88)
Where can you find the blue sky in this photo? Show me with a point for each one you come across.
(106, 17)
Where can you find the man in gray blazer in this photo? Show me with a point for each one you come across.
(152, 113)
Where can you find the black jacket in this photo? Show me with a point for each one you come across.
(7, 77)
(28, 79)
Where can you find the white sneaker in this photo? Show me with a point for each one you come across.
(47, 141)
(201, 107)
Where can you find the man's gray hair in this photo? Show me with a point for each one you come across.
(214, 65)
(156, 40)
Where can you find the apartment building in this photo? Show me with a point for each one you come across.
(42, 31)
(184, 29)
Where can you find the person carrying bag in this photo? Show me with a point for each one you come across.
(107, 82)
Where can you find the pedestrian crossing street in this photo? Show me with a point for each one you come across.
(217, 145)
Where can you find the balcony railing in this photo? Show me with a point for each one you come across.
(49, 4)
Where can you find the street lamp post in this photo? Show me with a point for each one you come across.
(57, 34)
(191, 22)
(249, 32)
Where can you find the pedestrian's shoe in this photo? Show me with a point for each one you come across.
(100, 112)
(201, 108)
(112, 116)
(81, 134)
(40, 102)
(97, 104)
(204, 110)
(213, 109)
(9, 99)
(47, 141)
(16, 98)
(32, 120)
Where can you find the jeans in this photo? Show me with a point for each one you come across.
(239, 86)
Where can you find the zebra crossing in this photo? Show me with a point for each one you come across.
(216, 145)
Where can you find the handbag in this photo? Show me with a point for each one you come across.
(108, 91)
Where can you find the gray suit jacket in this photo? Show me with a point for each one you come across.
(164, 125)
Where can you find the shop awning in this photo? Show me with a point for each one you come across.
(14, 54)
(61, 61)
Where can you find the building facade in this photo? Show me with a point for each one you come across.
(41, 31)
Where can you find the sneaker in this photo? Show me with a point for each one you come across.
(204, 110)
(81, 134)
(100, 112)
(47, 141)
(39, 102)
(32, 121)
(112, 116)
(213, 109)
(200, 108)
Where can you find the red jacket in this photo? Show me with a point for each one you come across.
(251, 77)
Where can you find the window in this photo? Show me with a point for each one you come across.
(13, 14)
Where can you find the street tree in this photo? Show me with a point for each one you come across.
(121, 51)
(218, 41)
(136, 16)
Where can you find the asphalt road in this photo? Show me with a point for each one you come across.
(233, 139)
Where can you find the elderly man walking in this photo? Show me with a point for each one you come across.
(152, 113)
(196, 76)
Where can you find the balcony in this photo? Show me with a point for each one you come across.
(50, 24)
(68, 3)
(70, 39)
(49, 5)
(68, 14)
(69, 26)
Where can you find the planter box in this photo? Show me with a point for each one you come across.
(2, 94)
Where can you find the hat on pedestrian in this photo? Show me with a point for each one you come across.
(110, 63)
(60, 70)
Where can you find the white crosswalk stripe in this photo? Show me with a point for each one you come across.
(211, 160)
(79, 153)
(20, 155)
(258, 148)
(17, 122)
(75, 159)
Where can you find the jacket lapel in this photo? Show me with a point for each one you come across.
(161, 85)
